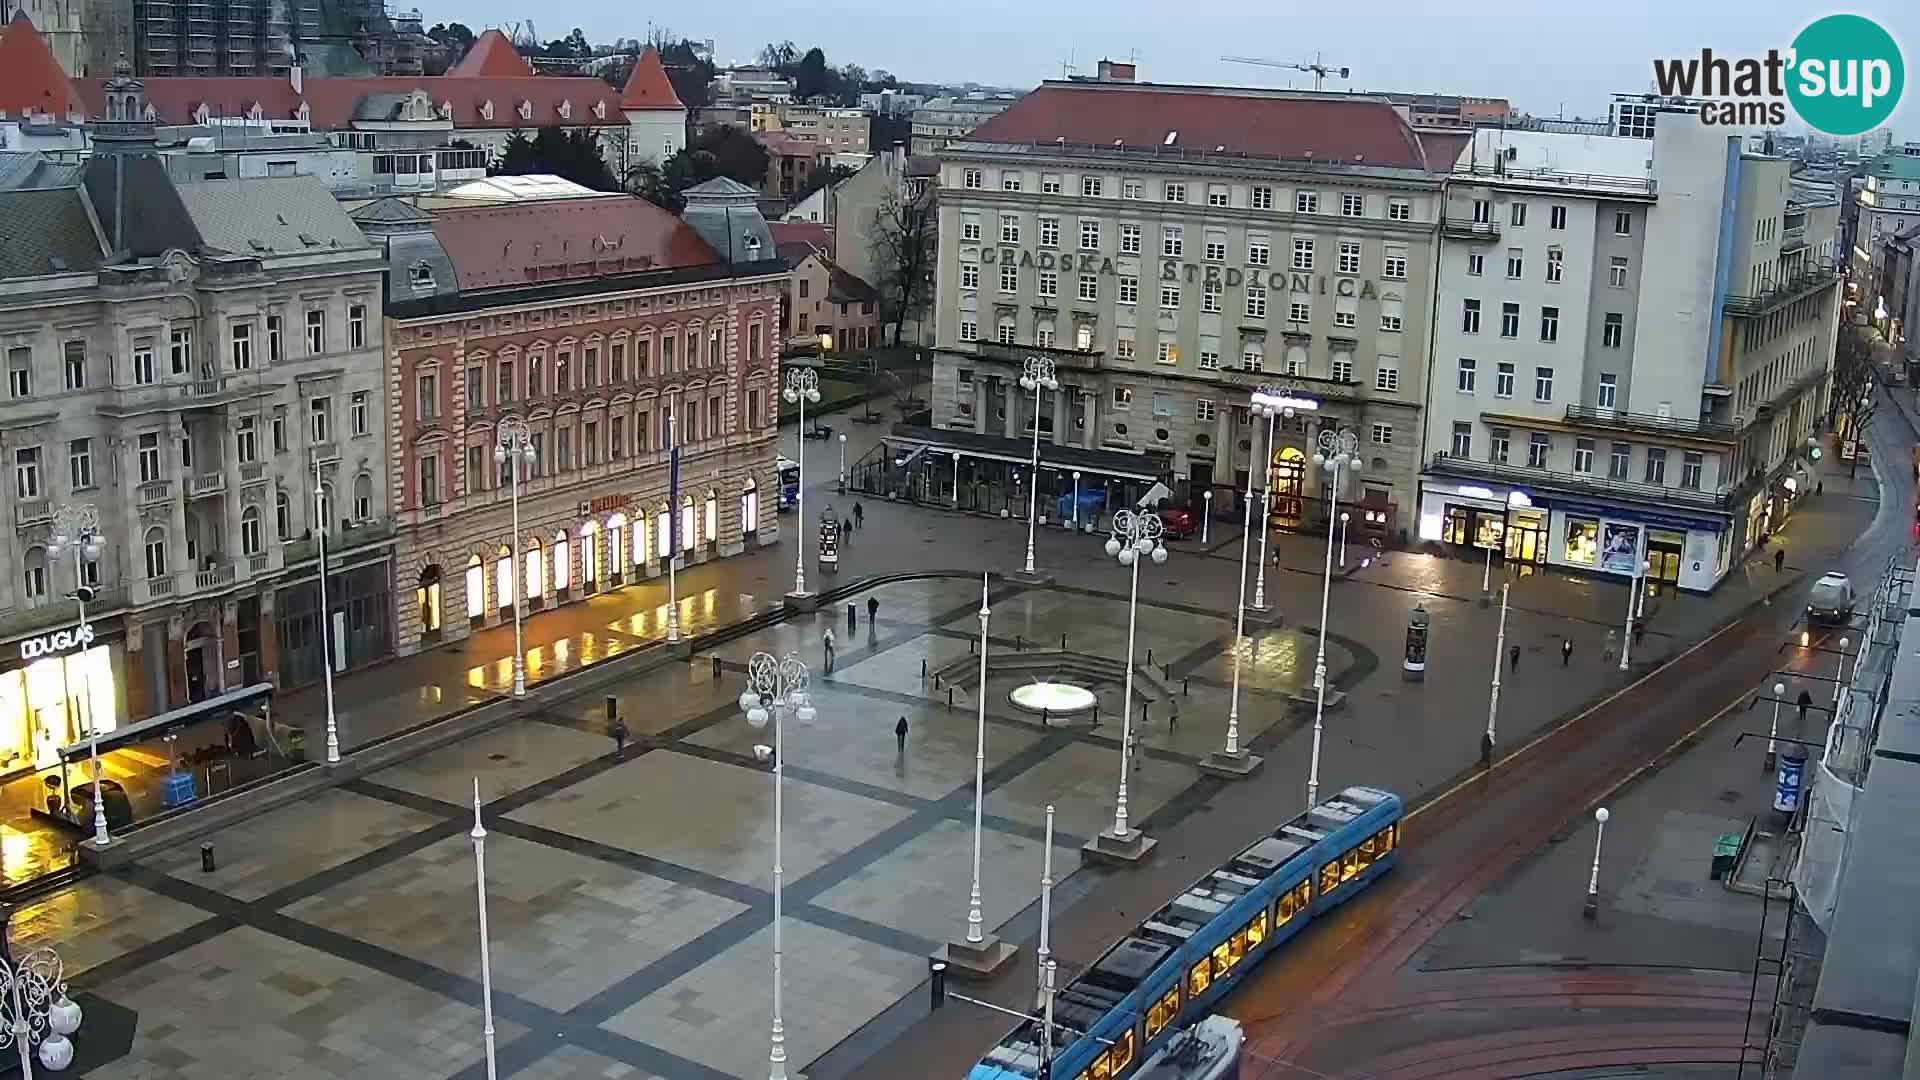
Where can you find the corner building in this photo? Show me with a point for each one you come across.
(1170, 248)
(615, 331)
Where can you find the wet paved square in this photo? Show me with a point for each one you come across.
(507, 759)
(254, 859)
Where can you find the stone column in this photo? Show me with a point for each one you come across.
(230, 503)
(229, 647)
(269, 639)
(1011, 429)
(1090, 438)
(1062, 414)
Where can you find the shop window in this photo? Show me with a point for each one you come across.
(713, 516)
(503, 578)
(476, 588)
(562, 563)
(1583, 541)
(536, 571)
(686, 524)
(750, 508)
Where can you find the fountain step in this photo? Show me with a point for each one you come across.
(1147, 681)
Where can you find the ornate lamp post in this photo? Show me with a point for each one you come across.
(1266, 403)
(979, 953)
(1036, 375)
(1279, 403)
(1338, 450)
(326, 612)
(774, 684)
(803, 385)
(78, 528)
(513, 446)
(479, 837)
(1136, 534)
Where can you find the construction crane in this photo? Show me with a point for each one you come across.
(1320, 70)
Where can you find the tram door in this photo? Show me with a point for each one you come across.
(1289, 481)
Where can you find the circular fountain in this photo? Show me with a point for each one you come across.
(1052, 698)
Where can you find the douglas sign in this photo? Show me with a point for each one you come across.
(58, 642)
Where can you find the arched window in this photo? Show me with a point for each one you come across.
(562, 563)
(536, 570)
(328, 508)
(663, 532)
(639, 544)
(590, 555)
(283, 515)
(251, 542)
(716, 344)
(616, 544)
(156, 552)
(687, 535)
(363, 497)
(750, 508)
(476, 588)
(713, 516)
(503, 578)
(427, 597)
(34, 576)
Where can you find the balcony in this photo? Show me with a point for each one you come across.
(1589, 484)
(158, 491)
(1620, 419)
(1809, 280)
(213, 578)
(340, 541)
(1071, 359)
(1461, 229)
(201, 485)
(159, 587)
(253, 472)
(32, 512)
(324, 452)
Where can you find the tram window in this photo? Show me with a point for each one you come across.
(1286, 909)
(1163, 1012)
(1120, 1055)
(1329, 877)
(1222, 960)
(1390, 838)
(1302, 894)
(1102, 1068)
(1199, 979)
(1367, 849)
(1349, 864)
(1238, 946)
(1257, 929)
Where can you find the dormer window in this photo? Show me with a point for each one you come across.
(255, 112)
(446, 110)
(566, 110)
(421, 275)
(304, 114)
(202, 114)
(525, 109)
(486, 110)
(600, 110)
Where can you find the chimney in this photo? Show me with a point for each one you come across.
(1112, 71)
(298, 82)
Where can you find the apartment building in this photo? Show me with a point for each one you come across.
(939, 121)
(1886, 205)
(196, 368)
(616, 333)
(1171, 248)
(1581, 411)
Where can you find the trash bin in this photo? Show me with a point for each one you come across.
(1726, 852)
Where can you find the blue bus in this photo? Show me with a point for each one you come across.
(1167, 974)
(789, 482)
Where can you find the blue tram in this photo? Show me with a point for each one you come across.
(1171, 970)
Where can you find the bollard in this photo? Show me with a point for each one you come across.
(1149, 657)
(938, 983)
(1183, 686)
(1166, 671)
(206, 858)
(949, 697)
(938, 682)
(1019, 643)
(923, 667)
(1063, 643)
(970, 646)
(1046, 717)
(716, 666)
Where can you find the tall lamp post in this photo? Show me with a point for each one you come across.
(78, 528)
(1280, 399)
(513, 447)
(775, 684)
(1036, 375)
(803, 385)
(979, 953)
(326, 613)
(1136, 533)
(1626, 633)
(1338, 450)
(843, 463)
(479, 836)
(1493, 696)
(1233, 760)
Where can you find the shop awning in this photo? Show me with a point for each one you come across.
(1114, 463)
(156, 726)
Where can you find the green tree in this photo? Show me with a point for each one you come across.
(779, 57)
(812, 77)
(718, 151)
(571, 154)
(454, 35)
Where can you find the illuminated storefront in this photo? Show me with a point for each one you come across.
(56, 698)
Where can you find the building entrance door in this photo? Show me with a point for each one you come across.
(1289, 477)
(1663, 552)
(1527, 537)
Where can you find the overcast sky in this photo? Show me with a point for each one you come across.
(1542, 54)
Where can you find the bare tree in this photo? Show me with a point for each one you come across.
(1852, 400)
(903, 248)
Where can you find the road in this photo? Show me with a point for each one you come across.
(1328, 1006)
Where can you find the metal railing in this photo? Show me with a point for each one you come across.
(253, 472)
(157, 491)
(1633, 421)
(1500, 170)
(106, 599)
(213, 578)
(1813, 278)
(1472, 230)
(1589, 483)
(206, 484)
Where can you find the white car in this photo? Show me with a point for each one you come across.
(1831, 602)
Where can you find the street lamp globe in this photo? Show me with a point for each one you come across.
(1779, 689)
(1113, 546)
(1601, 815)
(1159, 556)
(757, 717)
(1127, 555)
(749, 701)
(805, 712)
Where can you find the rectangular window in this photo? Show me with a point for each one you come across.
(1353, 205)
(971, 179)
(1555, 264)
(1476, 263)
(1503, 380)
(1399, 210)
(1557, 217)
(1390, 323)
(1349, 257)
(1262, 197)
(476, 385)
(1609, 390)
(1005, 332)
(20, 372)
(1298, 311)
(1611, 330)
(1462, 439)
(357, 406)
(1302, 253)
(1345, 318)
(1253, 356)
(1172, 241)
(1123, 348)
(617, 434)
(1482, 212)
(1499, 441)
(1306, 202)
(1383, 434)
(1622, 223)
(1049, 232)
(1090, 186)
(1509, 320)
(148, 456)
(74, 356)
(1210, 296)
(1204, 410)
(80, 463)
(1256, 302)
(1518, 212)
(1009, 229)
(426, 399)
(1549, 324)
(1342, 368)
(1217, 195)
(429, 488)
(279, 426)
(1617, 272)
(26, 472)
(1618, 461)
(1169, 354)
(1583, 455)
(969, 330)
(1258, 251)
(969, 229)
(1132, 189)
(1009, 180)
(969, 276)
(1089, 288)
(1539, 446)
(1009, 279)
(242, 346)
(1129, 239)
(1469, 316)
(1089, 236)
(1216, 250)
(1175, 191)
(1129, 290)
(1209, 360)
(243, 441)
(1692, 463)
(143, 373)
(1543, 384)
(617, 362)
(1516, 262)
(1049, 184)
(319, 420)
(1170, 297)
(1049, 284)
(316, 332)
(1463, 382)
(1394, 266)
(274, 349)
(1387, 376)
(1656, 465)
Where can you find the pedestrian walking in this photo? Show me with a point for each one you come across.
(1513, 657)
(873, 611)
(618, 729)
(859, 515)
(1779, 559)
(1566, 651)
(1639, 630)
(1805, 702)
(846, 526)
(850, 617)
(1173, 719)
(826, 642)
(900, 733)
(1612, 646)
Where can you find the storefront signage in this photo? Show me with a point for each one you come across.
(57, 642)
(605, 503)
(1173, 271)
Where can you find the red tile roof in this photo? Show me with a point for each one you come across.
(1444, 148)
(491, 56)
(1265, 124)
(502, 246)
(30, 77)
(648, 87)
(783, 145)
(811, 233)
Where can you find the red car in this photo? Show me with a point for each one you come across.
(1179, 524)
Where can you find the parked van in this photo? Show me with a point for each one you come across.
(1832, 600)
